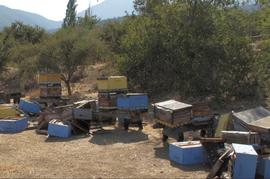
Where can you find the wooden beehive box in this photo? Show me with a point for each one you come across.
(172, 112)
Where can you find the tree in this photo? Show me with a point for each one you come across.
(21, 33)
(88, 21)
(3, 54)
(193, 47)
(68, 50)
(70, 19)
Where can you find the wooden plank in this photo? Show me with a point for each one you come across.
(241, 137)
(218, 165)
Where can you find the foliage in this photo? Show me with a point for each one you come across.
(88, 21)
(69, 49)
(70, 19)
(193, 47)
(190, 47)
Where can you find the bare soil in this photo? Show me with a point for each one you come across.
(107, 154)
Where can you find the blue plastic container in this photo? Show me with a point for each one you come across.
(29, 107)
(132, 101)
(245, 162)
(13, 126)
(187, 153)
(58, 129)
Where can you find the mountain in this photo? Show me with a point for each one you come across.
(7, 16)
(250, 7)
(109, 9)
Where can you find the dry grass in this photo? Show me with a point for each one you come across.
(114, 153)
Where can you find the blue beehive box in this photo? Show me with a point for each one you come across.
(245, 163)
(263, 167)
(13, 125)
(29, 107)
(58, 129)
(132, 101)
(187, 153)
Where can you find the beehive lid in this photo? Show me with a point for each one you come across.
(102, 78)
(117, 77)
(264, 123)
(135, 94)
(244, 149)
(188, 144)
(252, 115)
(173, 105)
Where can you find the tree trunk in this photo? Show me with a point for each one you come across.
(68, 87)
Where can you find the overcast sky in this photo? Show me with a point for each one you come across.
(51, 9)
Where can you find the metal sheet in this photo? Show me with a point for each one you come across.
(257, 119)
(173, 105)
(252, 114)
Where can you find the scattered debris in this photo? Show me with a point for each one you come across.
(219, 164)
(241, 137)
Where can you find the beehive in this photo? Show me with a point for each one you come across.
(112, 83)
(173, 113)
(6, 111)
(49, 78)
(187, 153)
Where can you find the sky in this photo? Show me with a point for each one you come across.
(51, 9)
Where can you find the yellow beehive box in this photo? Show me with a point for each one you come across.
(112, 83)
(102, 84)
(117, 82)
(49, 78)
(7, 111)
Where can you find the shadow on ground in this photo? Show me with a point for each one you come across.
(73, 137)
(113, 136)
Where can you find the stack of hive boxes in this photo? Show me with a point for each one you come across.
(109, 88)
(173, 113)
(50, 85)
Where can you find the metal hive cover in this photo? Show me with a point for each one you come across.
(173, 105)
(252, 115)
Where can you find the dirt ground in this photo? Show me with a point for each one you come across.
(107, 154)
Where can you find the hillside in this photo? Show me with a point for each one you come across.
(7, 16)
(111, 9)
